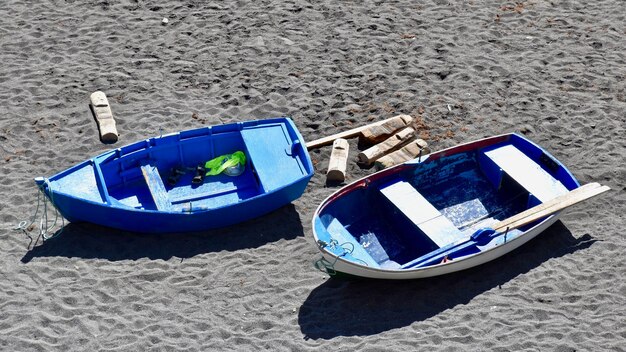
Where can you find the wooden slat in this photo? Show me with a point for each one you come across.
(421, 213)
(550, 203)
(408, 152)
(552, 206)
(156, 187)
(379, 133)
(389, 145)
(525, 171)
(346, 134)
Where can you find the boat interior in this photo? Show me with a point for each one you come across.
(157, 174)
(429, 211)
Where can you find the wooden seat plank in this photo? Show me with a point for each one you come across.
(156, 186)
(423, 214)
(526, 172)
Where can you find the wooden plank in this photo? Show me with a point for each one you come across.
(104, 117)
(338, 161)
(550, 203)
(410, 202)
(156, 187)
(378, 133)
(390, 144)
(346, 134)
(559, 203)
(421, 213)
(408, 152)
(526, 172)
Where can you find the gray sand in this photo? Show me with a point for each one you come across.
(554, 71)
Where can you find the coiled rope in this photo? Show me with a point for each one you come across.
(327, 267)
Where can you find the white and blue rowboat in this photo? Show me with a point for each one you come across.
(445, 212)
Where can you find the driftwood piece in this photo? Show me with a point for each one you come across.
(345, 134)
(104, 117)
(408, 152)
(338, 160)
(378, 133)
(392, 143)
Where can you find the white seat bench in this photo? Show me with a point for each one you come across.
(421, 213)
(526, 172)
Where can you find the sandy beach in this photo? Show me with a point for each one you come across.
(552, 71)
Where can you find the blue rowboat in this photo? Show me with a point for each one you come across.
(437, 214)
(149, 186)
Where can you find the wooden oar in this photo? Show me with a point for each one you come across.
(345, 134)
(550, 203)
(561, 202)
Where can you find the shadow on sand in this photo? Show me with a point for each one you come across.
(366, 307)
(84, 240)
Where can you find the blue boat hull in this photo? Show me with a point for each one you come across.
(128, 188)
(75, 210)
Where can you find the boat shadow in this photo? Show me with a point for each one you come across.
(356, 307)
(88, 241)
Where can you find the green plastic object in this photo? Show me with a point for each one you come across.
(233, 164)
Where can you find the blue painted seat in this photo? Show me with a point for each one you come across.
(272, 153)
(526, 172)
(421, 213)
